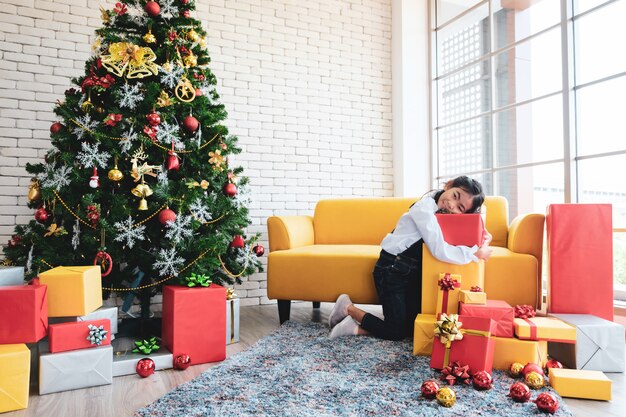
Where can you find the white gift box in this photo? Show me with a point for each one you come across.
(599, 344)
(232, 321)
(101, 313)
(11, 275)
(125, 362)
(74, 369)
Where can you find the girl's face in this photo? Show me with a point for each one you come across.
(455, 200)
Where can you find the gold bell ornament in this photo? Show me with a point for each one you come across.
(142, 191)
(115, 174)
(34, 191)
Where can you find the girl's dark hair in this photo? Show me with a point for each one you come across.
(472, 187)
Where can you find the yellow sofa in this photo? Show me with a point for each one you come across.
(334, 251)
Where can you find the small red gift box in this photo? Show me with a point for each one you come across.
(23, 313)
(475, 349)
(497, 310)
(462, 229)
(74, 335)
(193, 322)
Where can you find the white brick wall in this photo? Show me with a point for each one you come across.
(307, 86)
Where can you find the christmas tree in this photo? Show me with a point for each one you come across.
(138, 179)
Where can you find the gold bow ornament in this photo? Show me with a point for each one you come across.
(127, 56)
(55, 231)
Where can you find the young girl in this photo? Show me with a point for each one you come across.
(397, 274)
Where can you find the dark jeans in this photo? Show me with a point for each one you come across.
(398, 281)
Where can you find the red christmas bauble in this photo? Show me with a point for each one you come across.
(532, 367)
(190, 124)
(186, 14)
(182, 361)
(482, 380)
(258, 250)
(56, 127)
(198, 92)
(145, 367)
(166, 215)
(429, 389)
(152, 8)
(172, 163)
(519, 392)
(237, 242)
(42, 215)
(153, 119)
(553, 363)
(230, 189)
(547, 402)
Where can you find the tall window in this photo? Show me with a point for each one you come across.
(528, 99)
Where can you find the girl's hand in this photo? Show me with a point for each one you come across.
(487, 238)
(484, 252)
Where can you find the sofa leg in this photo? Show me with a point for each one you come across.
(316, 304)
(284, 309)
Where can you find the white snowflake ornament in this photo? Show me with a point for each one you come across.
(128, 232)
(168, 262)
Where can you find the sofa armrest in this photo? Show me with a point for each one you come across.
(526, 235)
(287, 232)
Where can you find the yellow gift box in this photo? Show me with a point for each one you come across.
(448, 301)
(72, 290)
(473, 275)
(544, 328)
(14, 377)
(508, 350)
(576, 383)
(424, 334)
(472, 297)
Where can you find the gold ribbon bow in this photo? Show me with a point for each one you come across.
(230, 293)
(125, 55)
(55, 231)
(448, 329)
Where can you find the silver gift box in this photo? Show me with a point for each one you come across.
(232, 321)
(75, 369)
(599, 344)
(125, 362)
(101, 313)
(11, 275)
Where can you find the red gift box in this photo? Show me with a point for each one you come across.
(72, 336)
(194, 320)
(462, 229)
(580, 253)
(497, 310)
(23, 313)
(475, 349)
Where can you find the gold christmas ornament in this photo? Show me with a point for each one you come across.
(96, 44)
(185, 91)
(217, 160)
(87, 105)
(164, 99)
(149, 37)
(34, 191)
(115, 174)
(446, 396)
(203, 42)
(104, 15)
(167, 66)
(204, 184)
(55, 231)
(142, 191)
(190, 60)
(534, 380)
(192, 35)
(125, 56)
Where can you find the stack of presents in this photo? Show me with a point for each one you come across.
(577, 329)
(59, 318)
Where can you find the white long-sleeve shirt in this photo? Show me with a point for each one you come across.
(420, 223)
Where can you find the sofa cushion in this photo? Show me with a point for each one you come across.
(501, 267)
(361, 221)
(323, 272)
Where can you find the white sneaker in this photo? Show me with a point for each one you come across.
(340, 310)
(347, 327)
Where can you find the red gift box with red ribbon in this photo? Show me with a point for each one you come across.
(498, 310)
(74, 335)
(23, 313)
(448, 293)
(475, 349)
(193, 322)
(462, 229)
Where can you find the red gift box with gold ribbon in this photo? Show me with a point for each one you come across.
(474, 349)
(23, 313)
(193, 322)
(498, 310)
(74, 335)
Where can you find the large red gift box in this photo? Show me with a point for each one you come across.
(193, 322)
(580, 254)
(23, 313)
(475, 349)
(497, 310)
(462, 229)
(73, 335)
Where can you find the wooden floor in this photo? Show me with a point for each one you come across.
(128, 393)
